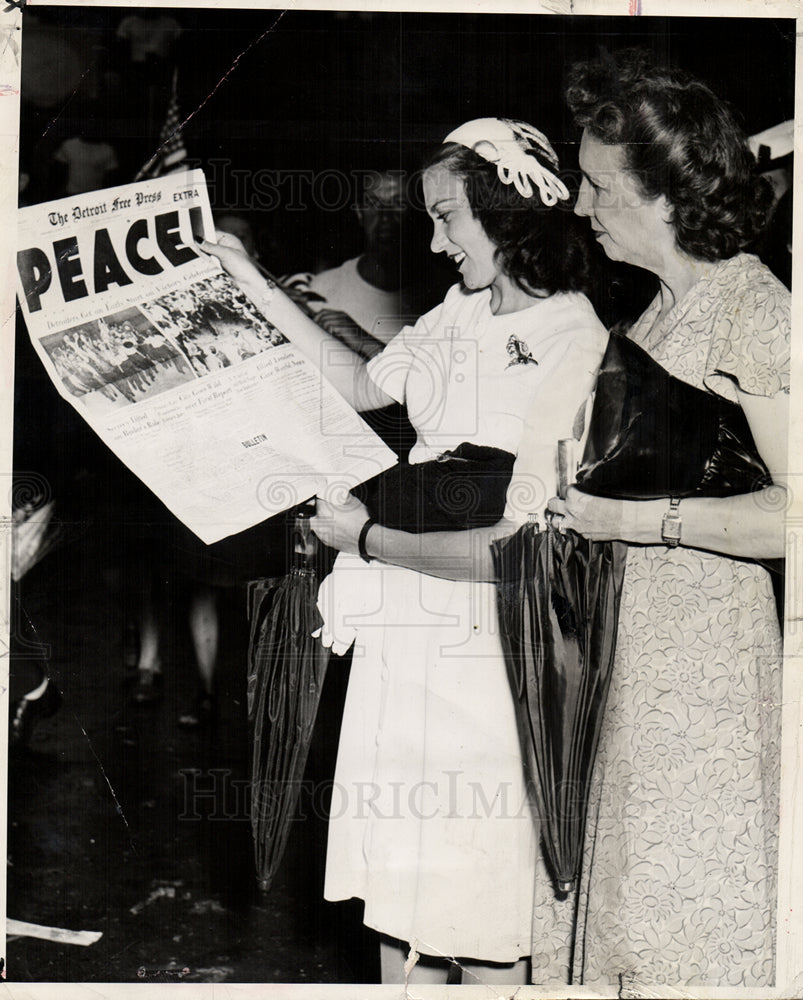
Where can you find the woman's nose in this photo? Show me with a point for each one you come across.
(438, 243)
(582, 206)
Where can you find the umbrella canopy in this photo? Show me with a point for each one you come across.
(286, 671)
(558, 598)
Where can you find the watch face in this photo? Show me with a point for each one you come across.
(670, 528)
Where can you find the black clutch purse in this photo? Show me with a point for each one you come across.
(463, 488)
(652, 435)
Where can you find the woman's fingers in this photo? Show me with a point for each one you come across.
(339, 525)
(575, 499)
(233, 258)
(322, 528)
(230, 240)
(322, 521)
(322, 508)
(570, 513)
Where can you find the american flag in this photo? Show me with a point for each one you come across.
(171, 153)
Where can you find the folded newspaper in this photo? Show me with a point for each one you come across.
(173, 366)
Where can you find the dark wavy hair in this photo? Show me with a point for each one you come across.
(681, 141)
(541, 249)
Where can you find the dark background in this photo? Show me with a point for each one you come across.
(325, 92)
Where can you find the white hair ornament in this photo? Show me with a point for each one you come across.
(505, 142)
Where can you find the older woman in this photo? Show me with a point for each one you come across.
(430, 823)
(679, 877)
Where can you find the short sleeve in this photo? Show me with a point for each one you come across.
(389, 369)
(553, 417)
(750, 347)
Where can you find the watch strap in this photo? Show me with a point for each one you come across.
(671, 524)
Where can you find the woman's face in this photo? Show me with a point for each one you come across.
(458, 233)
(627, 225)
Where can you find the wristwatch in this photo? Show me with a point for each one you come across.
(671, 524)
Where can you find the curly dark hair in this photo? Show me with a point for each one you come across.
(681, 141)
(541, 249)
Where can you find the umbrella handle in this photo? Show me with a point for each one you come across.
(567, 465)
(305, 544)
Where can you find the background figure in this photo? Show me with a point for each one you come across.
(365, 301)
(144, 644)
(775, 249)
(368, 289)
(90, 164)
(168, 564)
(239, 225)
(774, 150)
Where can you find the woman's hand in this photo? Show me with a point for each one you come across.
(345, 369)
(233, 258)
(592, 517)
(339, 525)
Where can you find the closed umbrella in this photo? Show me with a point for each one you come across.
(558, 599)
(286, 671)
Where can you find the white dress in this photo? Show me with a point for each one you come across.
(430, 821)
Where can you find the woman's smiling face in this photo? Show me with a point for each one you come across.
(458, 233)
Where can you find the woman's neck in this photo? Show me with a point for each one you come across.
(678, 279)
(507, 297)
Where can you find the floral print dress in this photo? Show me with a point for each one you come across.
(679, 874)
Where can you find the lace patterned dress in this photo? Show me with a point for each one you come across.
(679, 874)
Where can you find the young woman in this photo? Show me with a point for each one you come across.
(430, 822)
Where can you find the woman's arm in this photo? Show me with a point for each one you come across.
(750, 526)
(453, 555)
(344, 368)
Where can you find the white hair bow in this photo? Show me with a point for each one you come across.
(506, 142)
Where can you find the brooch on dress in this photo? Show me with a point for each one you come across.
(520, 353)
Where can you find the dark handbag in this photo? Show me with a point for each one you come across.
(463, 488)
(652, 435)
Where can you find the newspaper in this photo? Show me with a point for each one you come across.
(172, 364)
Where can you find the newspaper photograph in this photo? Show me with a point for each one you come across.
(171, 363)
